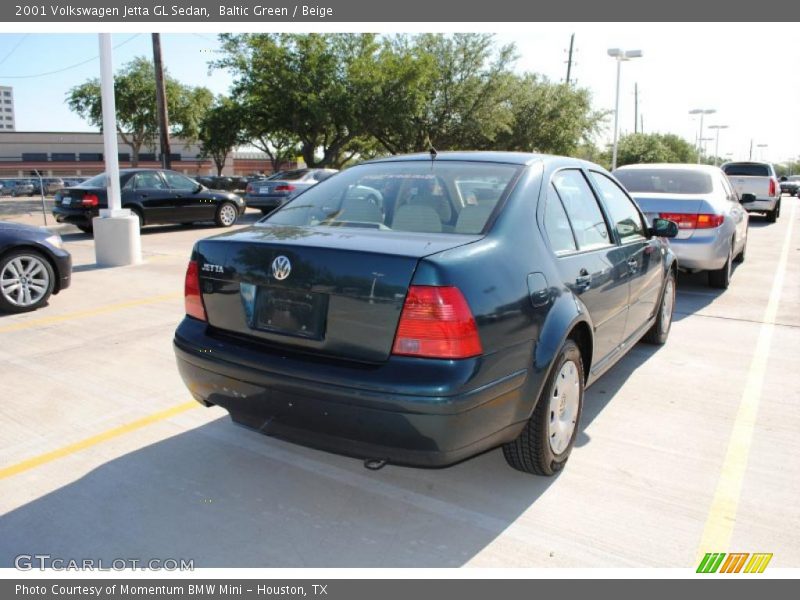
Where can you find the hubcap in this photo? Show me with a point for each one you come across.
(227, 214)
(667, 304)
(24, 281)
(564, 402)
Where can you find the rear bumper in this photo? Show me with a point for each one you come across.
(761, 205)
(74, 216)
(702, 251)
(345, 408)
(265, 202)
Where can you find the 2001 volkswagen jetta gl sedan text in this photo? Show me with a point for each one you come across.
(463, 304)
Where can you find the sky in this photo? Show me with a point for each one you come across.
(746, 71)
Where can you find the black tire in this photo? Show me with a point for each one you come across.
(741, 256)
(220, 217)
(659, 332)
(721, 278)
(532, 452)
(266, 211)
(86, 228)
(773, 215)
(138, 214)
(7, 305)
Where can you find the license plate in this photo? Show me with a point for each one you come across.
(263, 190)
(291, 312)
(66, 201)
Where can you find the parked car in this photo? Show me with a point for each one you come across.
(269, 194)
(33, 265)
(790, 185)
(757, 179)
(429, 328)
(23, 187)
(712, 222)
(154, 195)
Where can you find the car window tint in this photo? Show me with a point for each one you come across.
(180, 182)
(556, 224)
(581, 206)
(149, 181)
(624, 214)
(664, 181)
(293, 175)
(746, 170)
(726, 187)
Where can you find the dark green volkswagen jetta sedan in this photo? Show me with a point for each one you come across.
(422, 309)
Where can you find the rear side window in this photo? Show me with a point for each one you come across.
(624, 214)
(746, 170)
(582, 208)
(556, 224)
(664, 181)
(417, 196)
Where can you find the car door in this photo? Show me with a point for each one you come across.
(594, 268)
(734, 208)
(642, 255)
(148, 190)
(189, 202)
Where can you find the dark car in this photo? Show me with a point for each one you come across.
(154, 195)
(790, 185)
(468, 307)
(33, 265)
(268, 194)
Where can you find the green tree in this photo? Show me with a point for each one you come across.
(221, 130)
(654, 148)
(549, 117)
(135, 99)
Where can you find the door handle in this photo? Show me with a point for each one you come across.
(583, 281)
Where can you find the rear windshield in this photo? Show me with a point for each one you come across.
(421, 196)
(292, 175)
(746, 170)
(98, 181)
(664, 181)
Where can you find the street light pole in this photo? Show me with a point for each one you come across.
(716, 145)
(620, 56)
(702, 112)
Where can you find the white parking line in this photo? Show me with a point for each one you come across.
(722, 514)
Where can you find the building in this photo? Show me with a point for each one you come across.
(64, 154)
(7, 118)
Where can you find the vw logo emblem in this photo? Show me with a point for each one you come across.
(281, 268)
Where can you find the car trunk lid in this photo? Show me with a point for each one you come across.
(333, 291)
(653, 205)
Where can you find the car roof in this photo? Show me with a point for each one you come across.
(516, 158)
(672, 166)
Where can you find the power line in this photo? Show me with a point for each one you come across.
(14, 49)
(61, 70)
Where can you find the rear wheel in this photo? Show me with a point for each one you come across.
(658, 333)
(545, 444)
(721, 278)
(773, 215)
(740, 257)
(26, 281)
(227, 213)
(85, 228)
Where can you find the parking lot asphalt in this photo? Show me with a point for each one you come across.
(683, 449)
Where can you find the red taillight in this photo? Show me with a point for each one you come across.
(285, 187)
(249, 189)
(191, 293)
(772, 183)
(692, 221)
(90, 200)
(436, 322)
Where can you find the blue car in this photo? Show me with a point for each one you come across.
(422, 309)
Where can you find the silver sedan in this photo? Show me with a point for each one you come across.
(711, 221)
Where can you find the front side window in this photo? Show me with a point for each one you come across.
(180, 182)
(624, 214)
(581, 206)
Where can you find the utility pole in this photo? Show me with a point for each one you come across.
(569, 61)
(751, 149)
(641, 124)
(161, 101)
(636, 107)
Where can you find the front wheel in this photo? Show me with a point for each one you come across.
(658, 333)
(26, 281)
(227, 213)
(545, 444)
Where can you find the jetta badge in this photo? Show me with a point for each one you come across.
(281, 268)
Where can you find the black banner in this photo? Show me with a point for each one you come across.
(463, 11)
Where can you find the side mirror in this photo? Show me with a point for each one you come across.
(664, 228)
(746, 198)
(783, 178)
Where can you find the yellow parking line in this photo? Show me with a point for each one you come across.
(722, 514)
(91, 312)
(47, 457)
